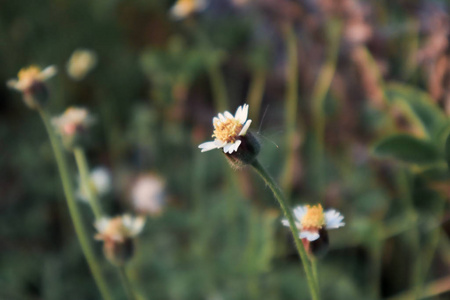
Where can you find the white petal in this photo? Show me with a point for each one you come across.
(137, 225)
(219, 143)
(14, 84)
(101, 224)
(208, 146)
(228, 115)
(245, 128)
(300, 212)
(309, 235)
(48, 72)
(228, 147)
(244, 113)
(222, 117)
(333, 219)
(238, 113)
(236, 145)
(215, 120)
(285, 222)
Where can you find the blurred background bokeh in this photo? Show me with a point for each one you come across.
(349, 99)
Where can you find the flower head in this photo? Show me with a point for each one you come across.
(72, 125)
(117, 234)
(30, 81)
(100, 181)
(311, 219)
(183, 8)
(228, 130)
(313, 222)
(148, 194)
(118, 229)
(81, 63)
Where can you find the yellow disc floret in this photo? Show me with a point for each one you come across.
(227, 131)
(314, 217)
(30, 73)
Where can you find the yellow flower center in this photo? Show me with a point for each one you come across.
(314, 217)
(227, 131)
(116, 227)
(30, 73)
(187, 5)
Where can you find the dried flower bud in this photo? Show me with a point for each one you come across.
(81, 63)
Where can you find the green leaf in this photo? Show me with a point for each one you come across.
(422, 105)
(407, 149)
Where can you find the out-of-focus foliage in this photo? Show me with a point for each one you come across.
(154, 91)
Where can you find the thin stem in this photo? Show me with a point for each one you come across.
(313, 287)
(290, 106)
(314, 270)
(74, 211)
(218, 87)
(126, 283)
(256, 92)
(318, 97)
(83, 169)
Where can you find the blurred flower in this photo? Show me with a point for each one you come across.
(228, 130)
(30, 81)
(81, 63)
(312, 223)
(148, 194)
(184, 8)
(72, 126)
(117, 234)
(100, 183)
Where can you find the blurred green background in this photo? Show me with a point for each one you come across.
(349, 99)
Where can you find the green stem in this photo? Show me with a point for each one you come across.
(313, 287)
(83, 168)
(126, 283)
(290, 107)
(256, 92)
(318, 97)
(218, 87)
(73, 209)
(314, 270)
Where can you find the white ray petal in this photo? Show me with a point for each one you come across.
(14, 84)
(208, 146)
(333, 219)
(219, 143)
(300, 212)
(243, 116)
(245, 128)
(309, 235)
(221, 117)
(228, 115)
(228, 147)
(236, 145)
(101, 224)
(48, 72)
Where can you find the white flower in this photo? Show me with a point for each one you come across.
(183, 8)
(119, 228)
(100, 181)
(310, 219)
(147, 194)
(72, 120)
(27, 77)
(81, 63)
(228, 130)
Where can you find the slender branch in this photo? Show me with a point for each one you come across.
(83, 168)
(313, 287)
(74, 211)
(126, 283)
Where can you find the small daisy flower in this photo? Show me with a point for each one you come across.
(184, 8)
(30, 82)
(148, 194)
(81, 63)
(117, 234)
(312, 223)
(228, 130)
(100, 181)
(231, 134)
(72, 125)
